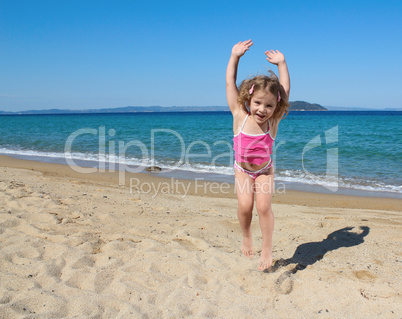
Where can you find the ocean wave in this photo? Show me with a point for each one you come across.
(336, 182)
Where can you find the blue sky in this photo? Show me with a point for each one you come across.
(96, 54)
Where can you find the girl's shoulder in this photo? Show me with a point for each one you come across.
(239, 115)
(238, 119)
(274, 123)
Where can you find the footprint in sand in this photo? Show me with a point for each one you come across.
(81, 279)
(43, 305)
(25, 256)
(48, 273)
(14, 282)
(103, 280)
(83, 262)
(190, 242)
(197, 281)
(284, 284)
(13, 204)
(365, 275)
(10, 223)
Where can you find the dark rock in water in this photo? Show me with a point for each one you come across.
(153, 169)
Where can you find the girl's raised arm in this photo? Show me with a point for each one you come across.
(277, 58)
(231, 74)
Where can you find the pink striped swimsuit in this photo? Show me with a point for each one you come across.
(254, 149)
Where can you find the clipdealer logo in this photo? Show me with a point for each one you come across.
(111, 154)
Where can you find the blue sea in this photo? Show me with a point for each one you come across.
(335, 151)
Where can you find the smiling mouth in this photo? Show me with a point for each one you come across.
(260, 116)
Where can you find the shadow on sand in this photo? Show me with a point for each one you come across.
(309, 253)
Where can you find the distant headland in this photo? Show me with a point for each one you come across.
(294, 106)
(305, 106)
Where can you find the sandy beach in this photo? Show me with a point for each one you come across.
(82, 246)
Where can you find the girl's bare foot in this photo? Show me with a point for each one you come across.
(266, 259)
(247, 247)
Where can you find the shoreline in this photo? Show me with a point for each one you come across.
(195, 109)
(214, 176)
(154, 185)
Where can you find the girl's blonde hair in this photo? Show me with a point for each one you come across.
(264, 82)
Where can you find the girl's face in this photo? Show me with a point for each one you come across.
(262, 106)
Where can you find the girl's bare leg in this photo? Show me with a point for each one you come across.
(245, 198)
(264, 187)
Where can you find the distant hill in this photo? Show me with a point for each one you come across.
(305, 106)
(127, 109)
(294, 106)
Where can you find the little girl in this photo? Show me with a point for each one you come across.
(257, 107)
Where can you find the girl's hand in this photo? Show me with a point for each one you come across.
(275, 57)
(240, 48)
